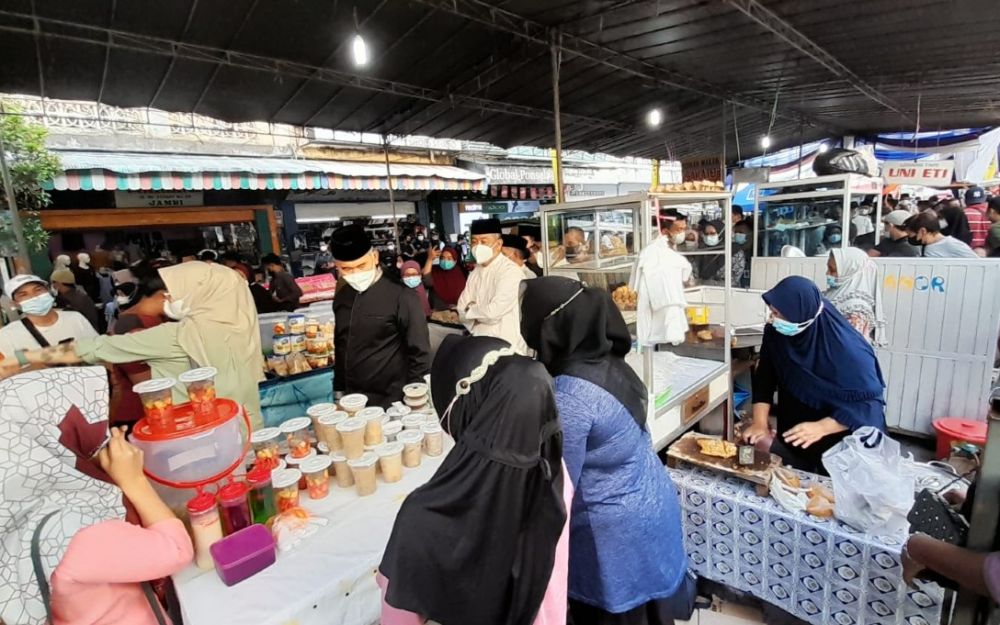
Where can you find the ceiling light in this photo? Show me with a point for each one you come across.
(765, 142)
(654, 118)
(823, 147)
(359, 50)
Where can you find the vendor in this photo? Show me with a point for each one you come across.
(217, 327)
(381, 338)
(823, 372)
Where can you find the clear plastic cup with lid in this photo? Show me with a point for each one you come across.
(206, 527)
(390, 461)
(316, 471)
(413, 421)
(352, 435)
(341, 472)
(417, 390)
(315, 411)
(353, 403)
(363, 469)
(157, 403)
(372, 417)
(265, 443)
(296, 463)
(200, 384)
(413, 441)
(433, 439)
(327, 431)
(296, 431)
(391, 429)
(286, 488)
(397, 411)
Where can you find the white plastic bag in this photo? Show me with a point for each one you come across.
(874, 492)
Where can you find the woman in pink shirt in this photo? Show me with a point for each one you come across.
(59, 464)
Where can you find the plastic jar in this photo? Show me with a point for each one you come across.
(327, 431)
(206, 528)
(314, 412)
(200, 384)
(296, 432)
(390, 461)
(265, 446)
(363, 469)
(261, 496)
(296, 463)
(234, 508)
(312, 327)
(373, 424)
(298, 343)
(316, 345)
(353, 403)
(317, 476)
(391, 429)
(157, 403)
(433, 439)
(296, 323)
(413, 421)
(318, 361)
(397, 412)
(352, 435)
(286, 488)
(415, 404)
(341, 472)
(412, 443)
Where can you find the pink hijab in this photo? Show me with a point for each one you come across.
(421, 291)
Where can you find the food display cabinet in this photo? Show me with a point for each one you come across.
(599, 242)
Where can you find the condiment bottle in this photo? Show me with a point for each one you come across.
(206, 528)
(233, 507)
(261, 495)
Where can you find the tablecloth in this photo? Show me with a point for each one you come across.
(327, 578)
(819, 570)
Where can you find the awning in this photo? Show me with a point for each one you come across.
(126, 171)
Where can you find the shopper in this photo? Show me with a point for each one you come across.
(515, 248)
(827, 379)
(41, 325)
(411, 274)
(627, 558)
(924, 230)
(711, 268)
(263, 301)
(285, 291)
(485, 541)
(575, 248)
(895, 243)
(742, 254)
(446, 279)
(954, 222)
(993, 237)
(217, 327)
(736, 214)
(91, 558)
(833, 237)
(68, 297)
(532, 235)
(975, 213)
(232, 260)
(971, 570)
(381, 337)
(489, 304)
(86, 277)
(854, 289)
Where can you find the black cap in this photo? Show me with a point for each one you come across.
(350, 243)
(515, 241)
(530, 230)
(974, 195)
(485, 226)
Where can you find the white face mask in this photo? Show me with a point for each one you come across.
(361, 280)
(175, 309)
(679, 238)
(711, 240)
(122, 300)
(483, 253)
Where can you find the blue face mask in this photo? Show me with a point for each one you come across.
(38, 305)
(836, 238)
(739, 238)
(412, 281)
(447, 264)
(789, 328)
(831, 282)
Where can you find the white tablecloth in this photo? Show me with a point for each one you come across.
(327, 578)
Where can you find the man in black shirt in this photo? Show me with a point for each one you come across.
(381, 341)
(894, 241)
(283, 287)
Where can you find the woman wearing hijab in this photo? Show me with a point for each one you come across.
(446, 279)
(825, 374)
(410, 273)
(627, 558)
(55, 424)
(854, 290)
(484, 542)
(217, 327)
(711, 267)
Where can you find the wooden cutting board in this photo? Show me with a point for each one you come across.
(686, 449)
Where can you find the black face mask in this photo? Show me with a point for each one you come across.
(914, 241)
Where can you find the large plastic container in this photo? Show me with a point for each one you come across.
(243, 554)
(955, 430)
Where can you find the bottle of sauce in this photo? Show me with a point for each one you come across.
(234, 508)
(261, 495)
(206, 527)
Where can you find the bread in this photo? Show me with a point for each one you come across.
(788, 478)
(716, 447)
(818, 490)
(704, 335)
(820, 507)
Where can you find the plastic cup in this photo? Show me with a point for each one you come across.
(417, 390)
(412, 447)
(415, 404)
(296, 463)
(296, 432)
(265, 447)
(314, 412)
(413, 421)
(352, 435)
(391, 429)
(353, 403)
(433, 439)
(363, 469)
(286, 488)
(157, 403)
(397, 411)
(317, 476)
(373, 424)
(327, 431)
(390, 461)
(200, 384)
(342, 472)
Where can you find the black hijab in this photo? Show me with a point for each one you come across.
(577, 330)
(710, 264)
(476, 544)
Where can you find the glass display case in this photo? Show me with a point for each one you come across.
(817, 214)
(601, 241)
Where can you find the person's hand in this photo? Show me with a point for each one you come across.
(434, 253)
(9, 367)
(805, 434)
(122, 461)
(911, 568)
(954, 497)
(755, 431)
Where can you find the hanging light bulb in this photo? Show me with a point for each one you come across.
(654, 118)
(823, 147)
(765, 142)
(359, 50)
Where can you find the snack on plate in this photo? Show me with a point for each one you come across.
(788, 478)
(716, 447)
(820, 507)
(625, 298)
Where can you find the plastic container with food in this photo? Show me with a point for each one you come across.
(286, 488)
(415, 404)
(433, 439)
(391, 429)
(234, 509)
(417, 390)
(413, 421)
(261, 496)
(327, 431)
(296, 463)
(278, 365)
(314, 412)
(363, 469)
(353, 403)
(390, 461)
(341, 472)
(281, 345)
(413, 441)
(352, 435)
(318, 361)
(398, 411)
(280, 328)
(206, 527)
(200, 384)
(316, 346)
(157, 403)
(372, 417)
(312, 327)
(316, 471)
(296, 432)
(296, 323)
(298, 343)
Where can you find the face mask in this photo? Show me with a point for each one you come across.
(175, 309)
(711, 240)
(836, 238)
(942, 224)
(447, 264)
(38, 305)
(420, 237)
(412, 281)
(361, 280)
(831, 282)
(740, 238)
(322, 248)
(123, 299)
(679, 238)
(914, 241)
(483, 253)
(788, 328)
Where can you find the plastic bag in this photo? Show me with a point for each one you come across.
(874, 491)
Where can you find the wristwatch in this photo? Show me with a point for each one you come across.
(21, 358)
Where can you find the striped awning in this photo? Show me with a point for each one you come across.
(120, 171)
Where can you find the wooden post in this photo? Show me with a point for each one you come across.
(557, 153)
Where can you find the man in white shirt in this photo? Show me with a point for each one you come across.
(516, 249)
(41, 325)
(490, 303)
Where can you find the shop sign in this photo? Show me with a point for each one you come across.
(928, 173)
(316, 288)
(590, 191)
(701, 169)
(158, 199)
(495, 207)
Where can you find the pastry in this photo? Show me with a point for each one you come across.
(716, 447)
(788, 478)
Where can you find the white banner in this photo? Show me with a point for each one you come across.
(927, 173)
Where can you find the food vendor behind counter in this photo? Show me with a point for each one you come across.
(824, 373)
(381, 337)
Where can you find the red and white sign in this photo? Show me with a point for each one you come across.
(927, 173)
(316, 288)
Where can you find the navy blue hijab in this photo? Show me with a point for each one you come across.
(829, 365)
